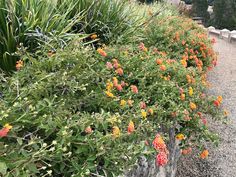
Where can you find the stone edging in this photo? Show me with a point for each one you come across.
(225, 34)
(146, 168)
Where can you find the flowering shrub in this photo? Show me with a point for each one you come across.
(80, 112)
(182, 39)
(75, 113)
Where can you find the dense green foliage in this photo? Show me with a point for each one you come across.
(224, 15)
(210, 2)
(149, 1)
(199, 9)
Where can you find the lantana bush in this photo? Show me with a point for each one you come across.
(85, 112)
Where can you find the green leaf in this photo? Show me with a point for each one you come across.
(3, 168)
(19, 140)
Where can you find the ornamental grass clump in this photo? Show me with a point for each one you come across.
(30, 23)
(113, 21)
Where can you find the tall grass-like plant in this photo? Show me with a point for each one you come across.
(113, 21)
(30, 22)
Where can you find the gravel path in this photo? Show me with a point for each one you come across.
(222, 159)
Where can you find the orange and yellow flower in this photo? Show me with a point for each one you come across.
(189, 79)
(159, 61)
(182, 96)
(116, 132)
(109, 94)
(115, 81)
(162, 67)
(184, 63)
(180, 136)
(204, 154)
(109, 86)
(220, 99)
(101, 52)
(193, 106)
(150, 111)
(19, 65)
(120, 71)
(130, 102)
(131, 127)
(4, 131)
(93, 36)
(158, 143)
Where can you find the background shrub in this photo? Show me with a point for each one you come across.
(199, 9)
(224, 15)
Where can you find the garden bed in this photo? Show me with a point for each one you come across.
(88, 108)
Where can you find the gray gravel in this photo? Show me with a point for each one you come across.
(222, 159)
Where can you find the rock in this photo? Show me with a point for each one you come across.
(146, 168)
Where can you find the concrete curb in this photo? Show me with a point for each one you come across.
(225, 34)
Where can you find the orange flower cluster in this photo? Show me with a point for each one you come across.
(218, 101)
(93, 36)
(193, 106)
(159, 144)
(184, 63)
(4, 131)
(159, 61)
(190, 79)
(116, 131)
(131, 127)
(204, 154)
(162, 67)
(134, 89)
(108, 91)
(19, 65)
(102, 52)
(115, 64)
(161, 159)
